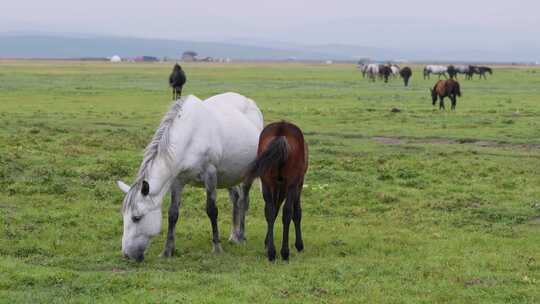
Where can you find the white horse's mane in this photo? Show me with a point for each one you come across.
(159, 145)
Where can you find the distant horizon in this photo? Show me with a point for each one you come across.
(19, 43)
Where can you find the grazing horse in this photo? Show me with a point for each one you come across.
(482, 70)
(384, 72)
(470, 72)
(372, 70)
(281, 163)
(177, 79)
(452, 71)
(445, 88)
(395, 70)
(363, 69)
(206, 144)
(435, 69)
(406, 74)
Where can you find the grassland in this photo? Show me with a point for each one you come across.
(420, 206)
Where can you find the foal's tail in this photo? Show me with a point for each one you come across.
(274, 157)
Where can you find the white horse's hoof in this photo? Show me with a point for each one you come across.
(236, 238)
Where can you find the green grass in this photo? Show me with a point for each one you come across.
(425, 215)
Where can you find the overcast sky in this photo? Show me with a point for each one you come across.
(402, 23)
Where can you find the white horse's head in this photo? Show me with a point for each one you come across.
(142, 218)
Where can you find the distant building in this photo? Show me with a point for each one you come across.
(189, 56)
(329, 62)
(116, 58)
(146, 59)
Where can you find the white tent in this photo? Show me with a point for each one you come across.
(116, 58)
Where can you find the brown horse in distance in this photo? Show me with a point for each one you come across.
(445, 88)
(281, 163)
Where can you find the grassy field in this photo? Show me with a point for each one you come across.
(420, 206)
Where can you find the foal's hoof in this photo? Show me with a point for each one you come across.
(285, 254)
(217, 249)
(271, 255)
(299, 246)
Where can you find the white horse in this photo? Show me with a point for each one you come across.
(435, 69)
(464, 69)
(362, 67)
(372, 70)
(203, 143)
(395, 70)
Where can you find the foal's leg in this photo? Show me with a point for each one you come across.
(176, 191)
(441, 103)
(297, 219)
(453, 99)
(292, 193)
(270, 211)
(210, 180)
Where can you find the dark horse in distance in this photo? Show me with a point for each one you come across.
(445, 88)
(385, 71)
(177, 79)
(406, 74)
(281, 163)
(482, 70)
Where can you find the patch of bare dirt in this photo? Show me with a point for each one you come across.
(389, 140)
(535, 219)
(473, 282)
(436, 141)
(445, 141)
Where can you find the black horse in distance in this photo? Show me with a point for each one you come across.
(177, 79)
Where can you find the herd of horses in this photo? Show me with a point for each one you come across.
(452, 71)
(385, 72)
(443, 88)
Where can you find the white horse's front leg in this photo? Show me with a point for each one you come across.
(176, 191)
(210, 181)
